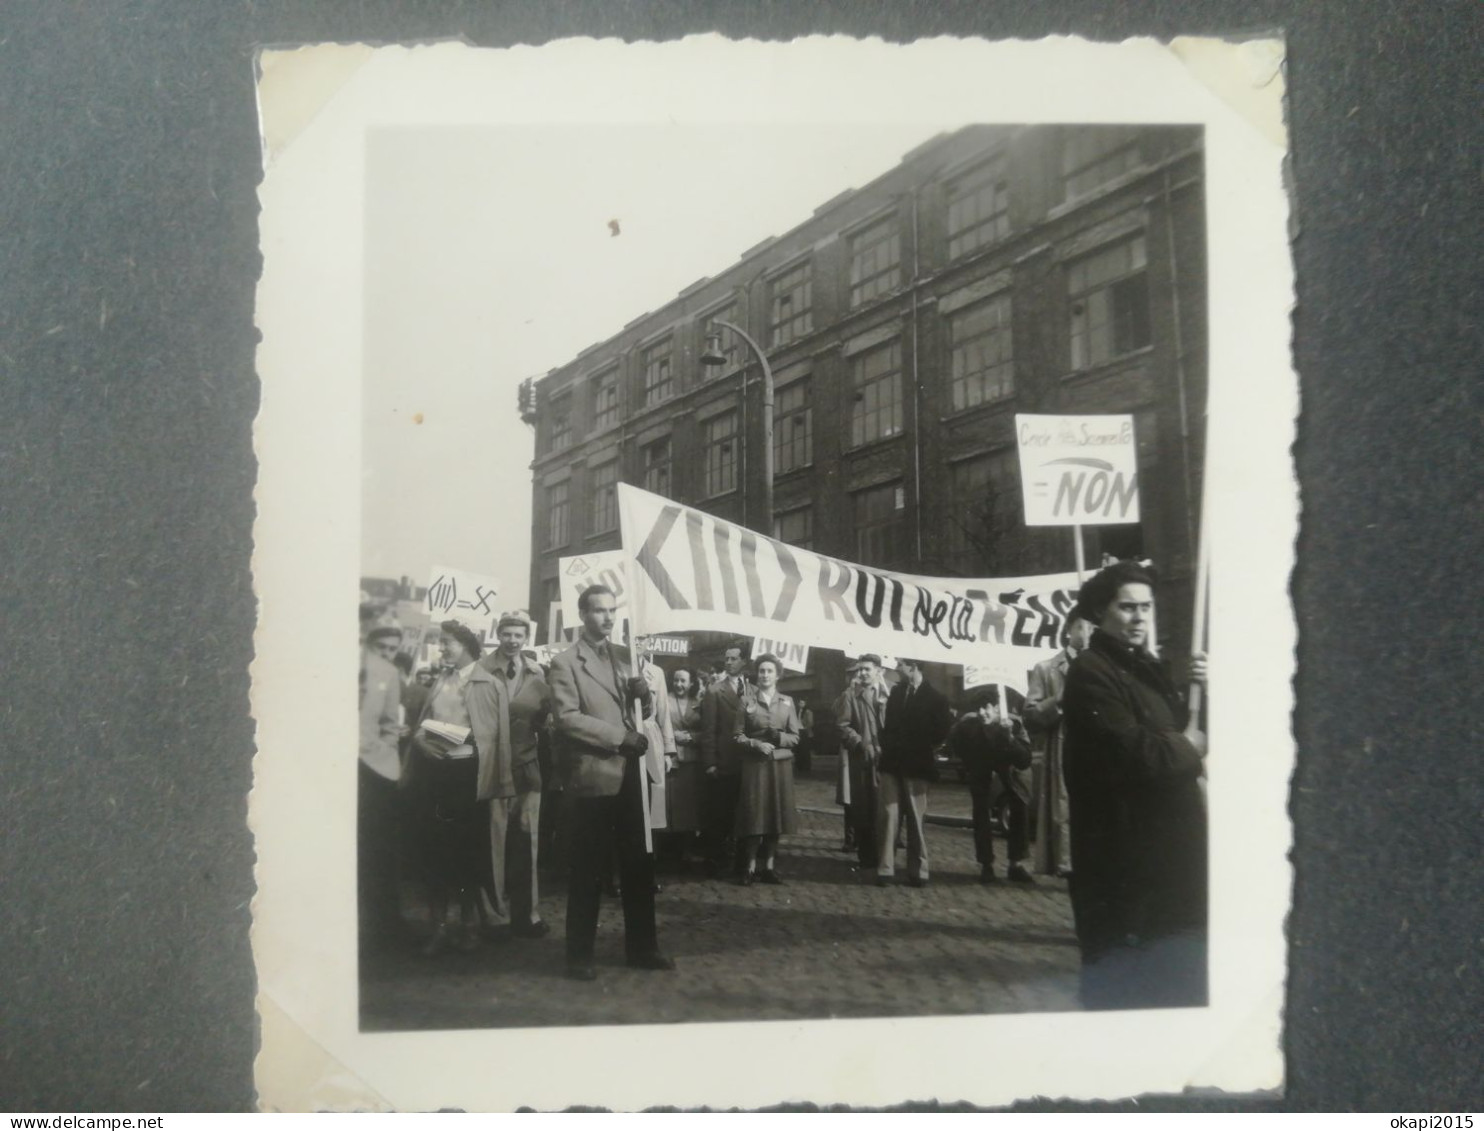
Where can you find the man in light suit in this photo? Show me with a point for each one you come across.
(860, 712)
(1043, 718)
(515, 804)
(601, 749)
(721, 759)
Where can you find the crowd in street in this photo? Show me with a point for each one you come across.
(483, 775)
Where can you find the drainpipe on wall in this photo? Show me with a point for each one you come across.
(916, 394)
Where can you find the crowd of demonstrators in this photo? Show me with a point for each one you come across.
(1134, 762)
(476, 773)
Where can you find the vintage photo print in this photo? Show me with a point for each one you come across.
(817, 517)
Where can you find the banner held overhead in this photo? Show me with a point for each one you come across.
(692, 571)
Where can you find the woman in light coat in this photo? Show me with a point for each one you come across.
(767, 732)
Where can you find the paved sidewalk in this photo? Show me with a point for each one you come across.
(828, 943)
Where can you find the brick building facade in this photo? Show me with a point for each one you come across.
(995, 270)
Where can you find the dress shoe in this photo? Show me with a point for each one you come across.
(918, 882)
(658, 887)
(987, 876)
(883, 881)
(652, 961)
(1021, 874)
(768, 876)
(747, 879)
(537, 930)
(582, 972)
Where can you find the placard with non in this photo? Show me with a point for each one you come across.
(1078, 470)
(604, 567)
(793, 657)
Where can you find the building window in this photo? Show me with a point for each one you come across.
(1093, 156)
(557, 510)
(978, 208)
(876, 411)
(793, 427)
(659, 383)
(604, 497)
(727, 340)
(880, 526)
(983, 511)
(1109, 300)
(559, 433)
(875, 261)
(796, 527)
(605, 399)
(981, 364)
(793, 302)
(657, 467)
(721, 454)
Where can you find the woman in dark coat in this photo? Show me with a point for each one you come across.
(1138, 816)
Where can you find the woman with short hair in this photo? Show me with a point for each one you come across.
(767, 730)
(1138, 819)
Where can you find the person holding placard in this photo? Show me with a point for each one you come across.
(992, 743)
(601, 748)
(1138, 818)
(767, 732)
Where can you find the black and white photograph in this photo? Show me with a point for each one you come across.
(805, 550)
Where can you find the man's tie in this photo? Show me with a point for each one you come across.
(510, 671)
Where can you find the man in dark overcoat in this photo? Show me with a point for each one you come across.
(1138, 818)
(917, 721)
(721, 760)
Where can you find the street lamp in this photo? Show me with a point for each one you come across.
(713, 358)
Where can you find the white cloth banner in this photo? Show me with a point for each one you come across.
(693, 571)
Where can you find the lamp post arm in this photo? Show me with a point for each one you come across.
(762, 360)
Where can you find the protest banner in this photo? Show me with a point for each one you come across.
(794, 657)
(1078, 470)
(669, 645)
(980, 675)
(693, 571)
(464, 596)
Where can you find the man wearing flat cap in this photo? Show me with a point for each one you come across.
(860, 712)
(515, 801)
(600, 704)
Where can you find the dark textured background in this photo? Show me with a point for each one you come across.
(128, 261)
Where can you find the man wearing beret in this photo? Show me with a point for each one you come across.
(515, 801)
(595, 694)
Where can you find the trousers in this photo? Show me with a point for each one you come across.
(905, 799)
(514, 832)
(603, 827)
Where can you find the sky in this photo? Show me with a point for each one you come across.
(489, 258)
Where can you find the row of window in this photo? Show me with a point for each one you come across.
(983, 497)
(1108, 304)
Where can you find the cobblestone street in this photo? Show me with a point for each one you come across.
(828, 943)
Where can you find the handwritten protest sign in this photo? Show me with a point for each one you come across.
(1078, 470)
(794, 657)
(464, 596)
